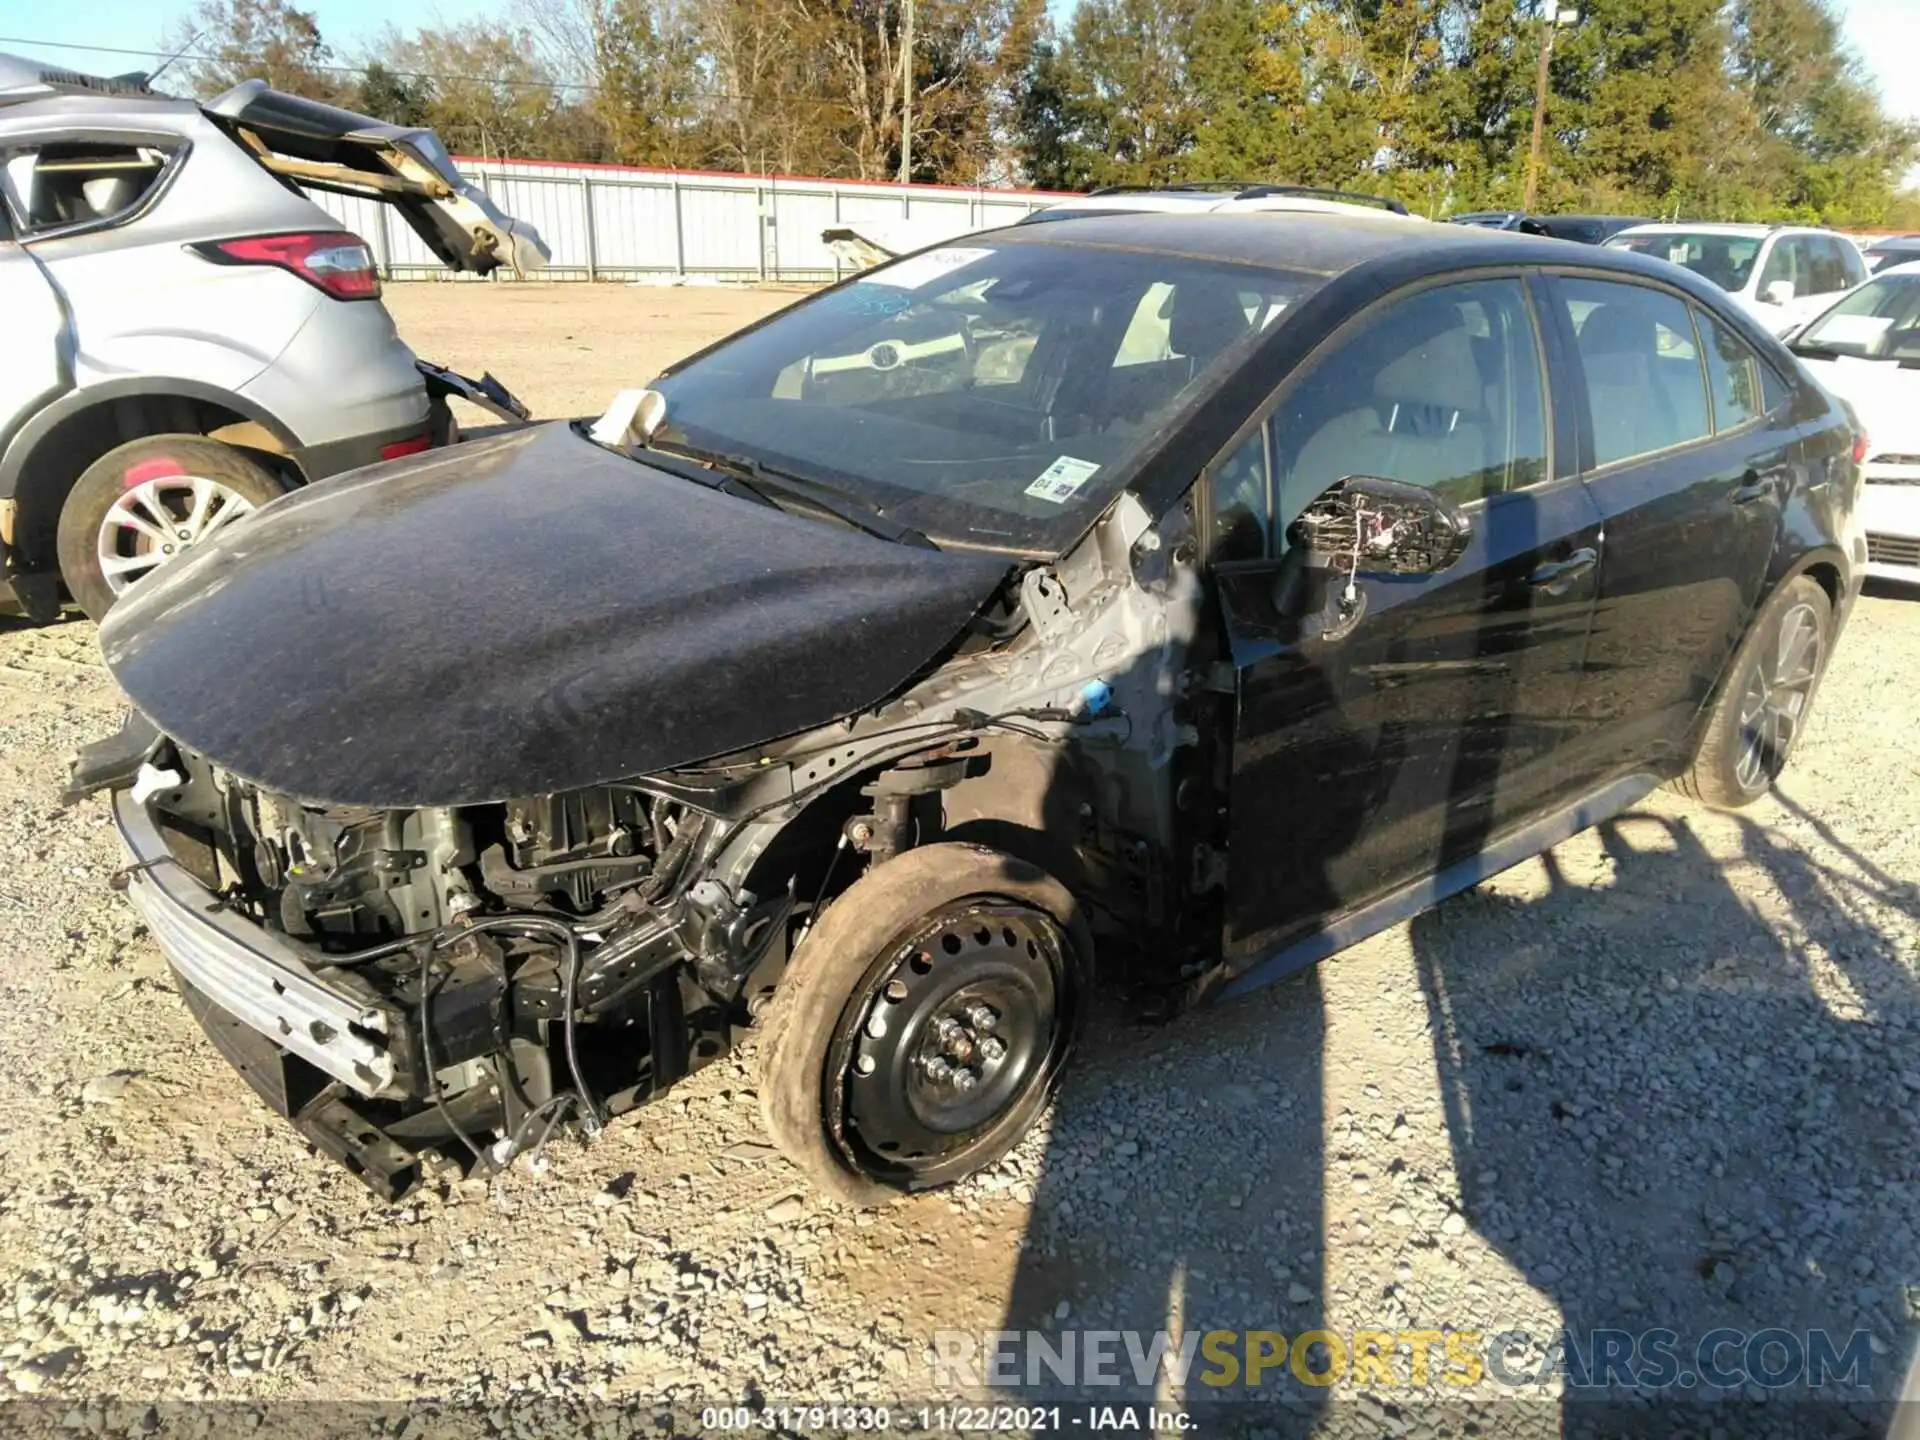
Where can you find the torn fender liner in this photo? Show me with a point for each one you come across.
(518, 615)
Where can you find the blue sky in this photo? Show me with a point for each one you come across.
(1886, 33)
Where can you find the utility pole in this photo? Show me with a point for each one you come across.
(1556, 17)
(906, 96)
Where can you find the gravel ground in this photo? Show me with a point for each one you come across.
(1663, 1076)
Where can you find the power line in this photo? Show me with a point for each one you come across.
(330, 69)
(707, 92)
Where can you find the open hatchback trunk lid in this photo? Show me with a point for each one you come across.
(322, 147)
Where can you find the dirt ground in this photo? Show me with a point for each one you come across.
(1661, 1078)
(564, 349)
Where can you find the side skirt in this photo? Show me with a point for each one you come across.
(1410, 899)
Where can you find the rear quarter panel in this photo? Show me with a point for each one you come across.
(142, 303)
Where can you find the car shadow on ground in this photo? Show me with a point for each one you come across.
(1657, 1127)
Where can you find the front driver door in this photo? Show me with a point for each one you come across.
(1368, 761)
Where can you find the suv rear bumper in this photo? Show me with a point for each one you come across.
(321, 462)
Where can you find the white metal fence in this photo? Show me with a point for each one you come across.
(607, 222)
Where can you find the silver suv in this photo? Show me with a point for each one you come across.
(187, 334)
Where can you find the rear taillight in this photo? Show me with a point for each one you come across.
(406, 447)
(336, 262)
(1859, 447)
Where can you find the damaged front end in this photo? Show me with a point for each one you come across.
(451, 979)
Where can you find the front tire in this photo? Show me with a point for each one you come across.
(1764, 703)
(923, 1022)
(141, 506)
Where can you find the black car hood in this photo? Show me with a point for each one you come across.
(519, 615)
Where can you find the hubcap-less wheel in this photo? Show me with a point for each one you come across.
(156, 521)
(952, 1030)
(1775, 702)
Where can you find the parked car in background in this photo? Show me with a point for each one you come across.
(1223, 197)
(863, 243)
(1782, 274)
(1866, 350)
(188, 336)
(1892, 250)
(1587, 229)
(1165, 602)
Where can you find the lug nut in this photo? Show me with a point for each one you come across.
(983, 1019)
(946, 1027)
(993, 1047)
(939, 1069)
(965, 1079)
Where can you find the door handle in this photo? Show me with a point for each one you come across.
(1755, 486)
(1556, 577)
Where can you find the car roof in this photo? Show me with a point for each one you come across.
(1905, 267)
(23, 79)
(1329, 245)
(1752, 230)
(1896, 242)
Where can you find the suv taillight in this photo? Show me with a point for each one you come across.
(1860, 447)
(336, 262)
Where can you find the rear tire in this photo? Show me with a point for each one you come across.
(963, 959)
(142, 505)
(1764, 703)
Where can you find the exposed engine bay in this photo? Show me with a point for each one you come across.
(466, 979)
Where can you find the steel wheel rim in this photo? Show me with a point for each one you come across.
(156, 521)
(978, 989)
(1773, 708)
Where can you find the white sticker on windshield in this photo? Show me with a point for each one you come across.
(923, 270)
(1062, 480)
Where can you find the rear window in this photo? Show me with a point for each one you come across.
(1726, 260)
(61, 186)
(994, 394)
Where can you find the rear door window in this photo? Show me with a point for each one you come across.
(1733, 375)
(1646, 390)
(67, 185)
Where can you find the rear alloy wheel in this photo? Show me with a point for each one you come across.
(1764, 704)
(143, 505)
(923, 1022)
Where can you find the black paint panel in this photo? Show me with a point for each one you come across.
(519, 615)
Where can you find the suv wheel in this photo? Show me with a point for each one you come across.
(1764, 703)
(923, 1022)
(144, 504)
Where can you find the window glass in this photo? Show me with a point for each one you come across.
(1733, 375)
(1784, 262)
(50, 187)
(1726, 260)
(1645, 389)
(1878, 321)
(1441, 389)
(1239, 500)
(1851, 262)
(993, 393)
(1827, 272)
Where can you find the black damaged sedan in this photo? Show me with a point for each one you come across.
(1143, 606)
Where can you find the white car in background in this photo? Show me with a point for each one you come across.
(1866, 350)
(1784, 274)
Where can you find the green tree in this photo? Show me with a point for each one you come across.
(271, 40)
(394, 98)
